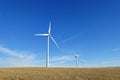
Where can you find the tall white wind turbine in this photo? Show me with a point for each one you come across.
(48, 35)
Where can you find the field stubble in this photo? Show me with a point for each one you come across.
(60, 74)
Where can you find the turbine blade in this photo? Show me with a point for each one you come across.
(49, 30)
(54, 41)
(41, 34)
(76, 54)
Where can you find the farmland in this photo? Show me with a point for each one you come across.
(59, 73)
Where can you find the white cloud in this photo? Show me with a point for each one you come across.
(15, 62)
(71, 38)
(107, 63)
(61, 58)
(59, 61)
(111, 62)
(18, 54)
(16, 58)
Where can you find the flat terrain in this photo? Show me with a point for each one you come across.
(59, 74)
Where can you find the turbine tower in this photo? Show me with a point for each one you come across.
(48, 35)
(76, 57)
(84, 63)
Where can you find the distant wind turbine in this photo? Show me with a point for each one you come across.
(48, 35)
(84, 63)
(76, 58)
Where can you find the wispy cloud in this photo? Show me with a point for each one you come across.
(61, 61)
(58, 60)
(61, 58)
(116, 49)
(16, 58)
(107, 63)
(15, 62)
(111, 62)
(22, 58)
(72, 37)
(18, 54)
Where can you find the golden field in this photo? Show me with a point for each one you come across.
(59, 73)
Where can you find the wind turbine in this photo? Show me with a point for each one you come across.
(84, 63)
(76, 58)
(48, 35)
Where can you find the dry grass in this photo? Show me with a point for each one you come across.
(59, 74)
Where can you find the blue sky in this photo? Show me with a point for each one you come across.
(89, 28)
